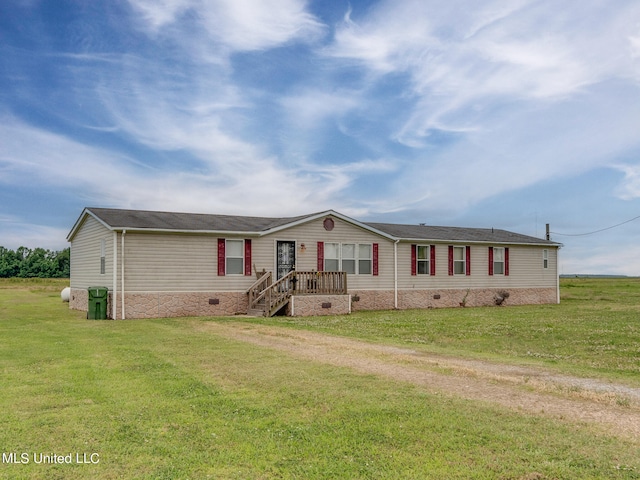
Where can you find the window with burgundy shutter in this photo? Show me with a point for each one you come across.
(498, 261)
(234, 253)
(459, 260)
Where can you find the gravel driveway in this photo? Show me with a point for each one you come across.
(524, 389)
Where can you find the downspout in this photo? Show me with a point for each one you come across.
(395, 274)
(558, 275)
(114, 299)
(124, 232)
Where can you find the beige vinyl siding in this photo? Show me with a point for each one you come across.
(86, 252)
(313, 232)
(166, 262)
(174, 263)
(525, 268)
(189, 263)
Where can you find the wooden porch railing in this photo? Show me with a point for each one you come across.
(321, 283)
(269, 297)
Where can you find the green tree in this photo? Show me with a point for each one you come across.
(9, 263)
(27, 263)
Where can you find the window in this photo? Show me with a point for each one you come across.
(353, 258)
(545, 258)
(498, 261)
(364, 259)
(422, 259)
(459, 261)
(102, 256)
(349, 258)
(331, 257)
(234, 257)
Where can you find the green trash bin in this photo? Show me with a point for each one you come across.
(97, 303)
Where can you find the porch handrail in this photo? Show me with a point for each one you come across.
(258, 289)
(321, 283)
(273, 296)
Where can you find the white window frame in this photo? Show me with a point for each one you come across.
(462, 263)
(228, 256)
(425, 261)
(361, 261)
(545, 259)
(344, 263)
(335, 260)
(498, 262)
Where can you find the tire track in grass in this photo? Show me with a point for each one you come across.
(524, 389)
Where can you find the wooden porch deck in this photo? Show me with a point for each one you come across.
(267, 297)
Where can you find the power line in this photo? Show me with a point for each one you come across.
(595, 231)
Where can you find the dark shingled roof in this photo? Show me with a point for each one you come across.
(118, 219)
(135, 219)
(458, 234)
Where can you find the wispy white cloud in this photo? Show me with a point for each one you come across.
(239, 25)
(251, 184)
(460, 59)
(521, 91)
(629, 188)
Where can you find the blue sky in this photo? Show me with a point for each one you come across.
(505, 114)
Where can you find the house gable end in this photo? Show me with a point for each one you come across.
(81, 221)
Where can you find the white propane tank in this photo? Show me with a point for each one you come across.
(65, 294)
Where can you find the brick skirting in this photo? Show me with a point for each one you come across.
(384, 299)
(169, 304)
(315, 305)
(183, 304)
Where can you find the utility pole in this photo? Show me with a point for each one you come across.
(548, 237)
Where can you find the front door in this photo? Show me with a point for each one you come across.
(286, 257)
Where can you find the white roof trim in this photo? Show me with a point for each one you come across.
(81, 220)
(327, 213)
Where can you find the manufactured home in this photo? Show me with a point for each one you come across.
(164, 264)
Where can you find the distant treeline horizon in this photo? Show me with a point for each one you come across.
(593, 275)
(34, 263)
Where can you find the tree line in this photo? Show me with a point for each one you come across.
(38, 262)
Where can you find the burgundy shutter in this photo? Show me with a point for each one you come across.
(490, 260)
(375, 259)
(247, 257)
(506, 261)
(450, 259)
(414, 259)
(468, 260)
(432, 260)
(321, 256)
(221, 257)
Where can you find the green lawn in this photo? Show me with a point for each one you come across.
(163, 399)
(595, 331)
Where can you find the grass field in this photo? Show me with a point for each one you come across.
(164, 399)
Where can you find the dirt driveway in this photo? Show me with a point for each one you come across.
(525, 389)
